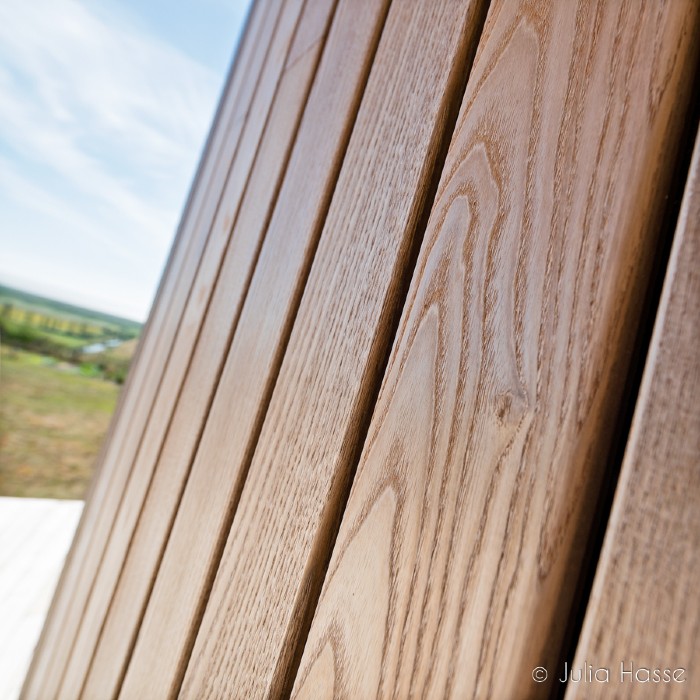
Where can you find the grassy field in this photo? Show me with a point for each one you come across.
(67, 332)
(60, 371)
(52, 421)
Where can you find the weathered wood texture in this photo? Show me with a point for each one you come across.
(115, 462)
(644, 609)
(459, 549)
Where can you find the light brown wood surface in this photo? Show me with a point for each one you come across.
(295, 63)
(260, 337)
(144, 378)
(644, 610)
(280, 535)
(365, 435)
(203, 373)
(459, 549)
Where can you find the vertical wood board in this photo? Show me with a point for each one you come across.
(644, 611)
(105, 492)
(459, 549)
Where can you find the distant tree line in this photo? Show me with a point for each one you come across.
(42, 334)
(64, 326)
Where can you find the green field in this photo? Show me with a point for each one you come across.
(60, 371)
(52, 421)
(66, 332)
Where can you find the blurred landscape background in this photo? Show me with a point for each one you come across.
(61, 368)
(104, 109)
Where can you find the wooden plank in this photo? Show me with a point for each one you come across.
(121, 417)
(459, 549)
(299, 472)
(271, 302)
(119, 531)
(644, 610)
(181, 411)
(108, 485)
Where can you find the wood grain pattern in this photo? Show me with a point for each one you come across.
(459, 549)
(296, 66)
(205, 544)
(144, 378)
(644, 609)
(255, 353)
(183, 433)
(279, 539)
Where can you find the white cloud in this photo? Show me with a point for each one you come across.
(111, 117)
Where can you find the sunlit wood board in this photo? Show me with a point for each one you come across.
(459, 550)
(115, 461)
(208, 321)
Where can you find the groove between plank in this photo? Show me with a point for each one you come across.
(300, 468)
(639, 353)
(643, 612)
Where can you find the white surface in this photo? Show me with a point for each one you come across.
(35, 535)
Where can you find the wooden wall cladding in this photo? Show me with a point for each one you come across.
(493, 423)
(146, 373)
(168, 445)
(644, 611)
(360, 450)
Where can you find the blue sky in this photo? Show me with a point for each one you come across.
(104, 109)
